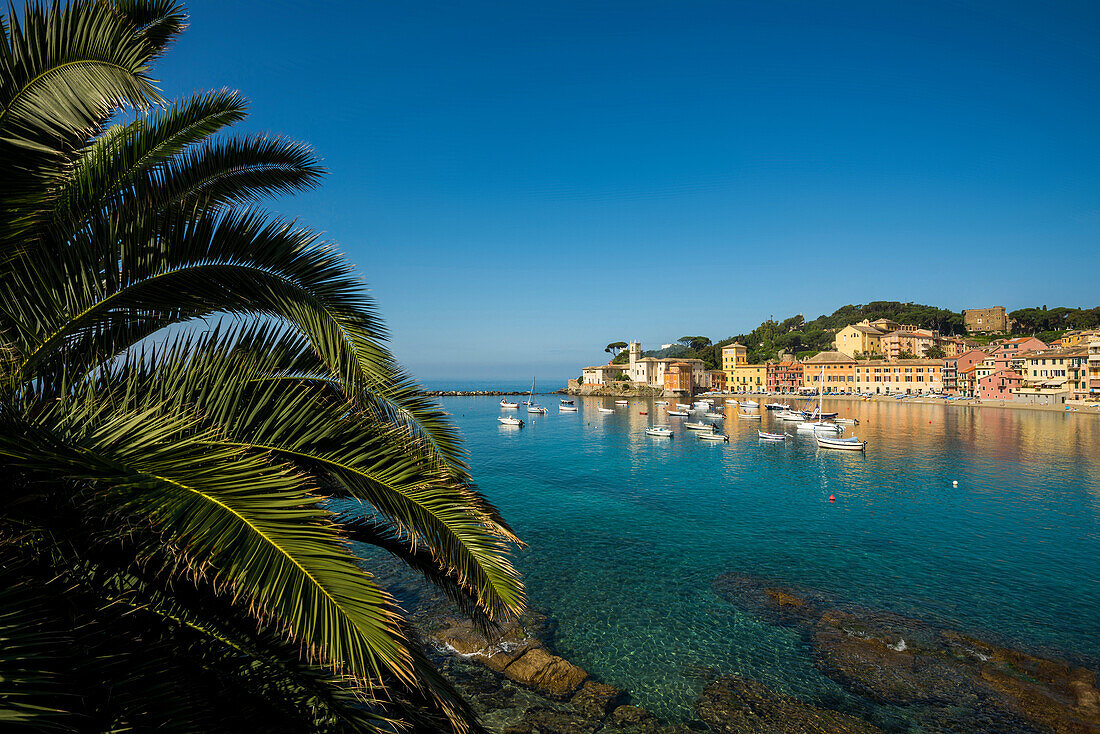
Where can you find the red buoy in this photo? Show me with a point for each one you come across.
(832, 498)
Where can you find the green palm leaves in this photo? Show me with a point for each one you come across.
(187, 385)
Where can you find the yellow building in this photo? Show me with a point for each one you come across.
(740, 375)
(861, 338)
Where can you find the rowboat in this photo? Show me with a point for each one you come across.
(772, 436)
(683, 406)
(713, 437)
(815, 426)
(509, 421)
(567, 409)
(660, 402)
(663, 431)
(713, 416)
(842, 444)
(698, 426)
(506, 404)
(606, 410)
(622, 402)
(681, 413)
(749, 416)
(847, 421)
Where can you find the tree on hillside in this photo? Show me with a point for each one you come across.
(180, 503)
(615, 347)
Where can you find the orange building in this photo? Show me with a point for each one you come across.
(678, 378)
(718, 381)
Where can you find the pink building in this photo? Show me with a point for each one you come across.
(999, 385)
(1019, 345)
(954, 367)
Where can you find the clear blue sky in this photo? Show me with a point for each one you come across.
(522, 183)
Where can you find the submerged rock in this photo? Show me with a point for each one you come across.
(945, 680)
(596, 699)
(549, 674)
(737, 705)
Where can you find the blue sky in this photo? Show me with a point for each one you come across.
(522, 183)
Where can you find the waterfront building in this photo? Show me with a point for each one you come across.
(651, 370)
(603, 374)
(953, 366)
(1094, 367)
(1052, 376)
(991, 320)
(740, 375)
(717, 380)
(678, 378)
(999, 385)
(843, 374)
(967, 382)
(784, 376)
(1079, 338)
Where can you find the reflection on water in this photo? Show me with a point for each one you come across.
(627, 532)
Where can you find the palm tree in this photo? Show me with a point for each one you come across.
(198, 417)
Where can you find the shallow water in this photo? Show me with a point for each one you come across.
(627, 532)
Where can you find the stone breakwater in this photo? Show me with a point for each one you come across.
(482, 393)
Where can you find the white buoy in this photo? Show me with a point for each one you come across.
(955, 483)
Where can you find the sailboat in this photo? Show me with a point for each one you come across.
(819, 424)
(531, 407)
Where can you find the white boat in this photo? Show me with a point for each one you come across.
(506, 404)
(786, 415)
(731, 401)
(509, 421)
(660, 402)
(842, 444)
(749, 416)
(663, 431)
(713, 416)
(563, 401)
(567, 409)
(777, 406)
(681, 406)
(622, 402)
(681, 413)
(773, 436)
(750, 404)
(713, 437)
(537, 409)
(606, 410)
(698, 426)
(820, 426)
(847, 421)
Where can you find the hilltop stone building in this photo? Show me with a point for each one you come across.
(991, 320)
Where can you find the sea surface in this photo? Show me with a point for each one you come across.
(627, 532)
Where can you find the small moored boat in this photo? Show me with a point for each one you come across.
(537, 409)
(773, 436)
(506, 404)
(847, 421)
(663, 431)
(842, 444)
(682, 406)
(606, 410)
(749, 416)
(698, 426)
(750, 404)
(565, 402)
(622, 402)
(777, 406)
(660, 402)
(505, 420)
(713, 437)
(681, 413)
(567, 409)
(815, 426)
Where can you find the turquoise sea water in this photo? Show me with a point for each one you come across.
(626, 532)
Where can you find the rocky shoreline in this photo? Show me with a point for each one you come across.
(902, 674)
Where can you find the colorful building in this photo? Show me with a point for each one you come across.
(717, 380)
(1018, 345)
(678, 378)
(784, 376)
(1052, 376)
(1094, 367)
(861, 338)
(834, 372)
(916, 343)
(740, 375)
(1000, 385)
(954, 366)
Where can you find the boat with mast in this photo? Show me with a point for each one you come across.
(531, 407)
